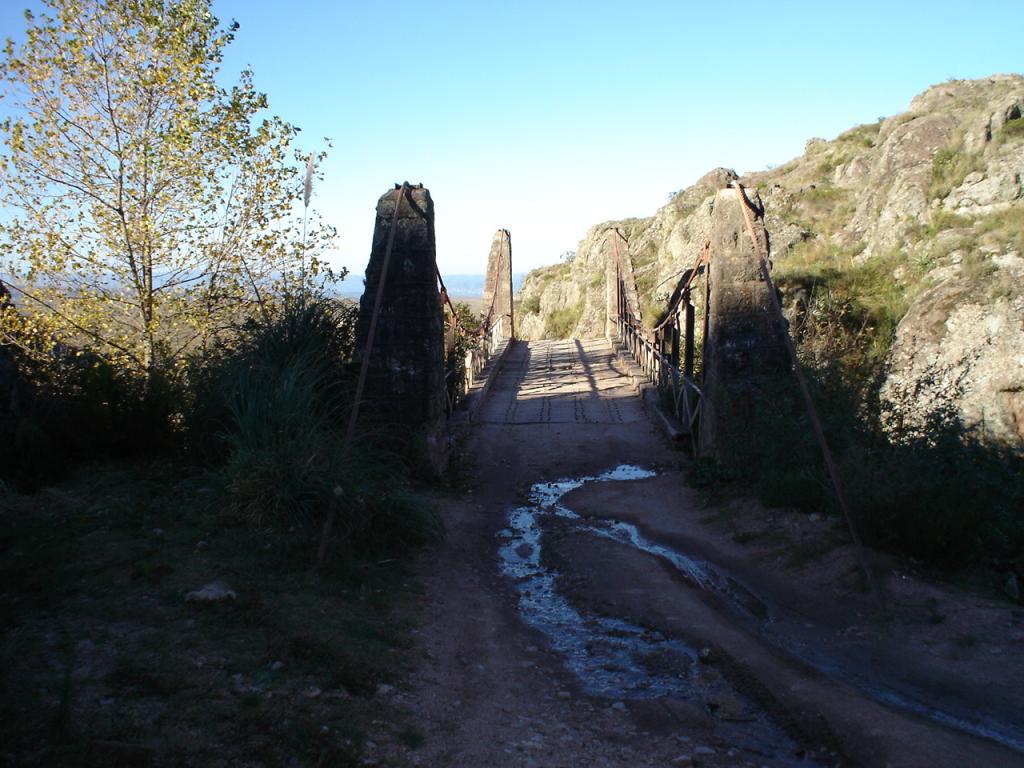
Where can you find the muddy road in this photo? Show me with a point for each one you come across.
(589, 609)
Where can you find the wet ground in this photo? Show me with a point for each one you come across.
(586, 610)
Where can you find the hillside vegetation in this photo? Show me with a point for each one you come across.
(899, 249)
(898, 245)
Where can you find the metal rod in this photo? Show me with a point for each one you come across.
(350, 429)
(812, 411)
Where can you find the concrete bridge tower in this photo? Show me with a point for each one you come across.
(745, 359)
(498, 283)
(405, 383)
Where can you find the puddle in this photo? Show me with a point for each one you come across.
(608, 655)
(613, 658)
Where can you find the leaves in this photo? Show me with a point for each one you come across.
(150, 207)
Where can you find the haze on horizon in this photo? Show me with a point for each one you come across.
(546, 118)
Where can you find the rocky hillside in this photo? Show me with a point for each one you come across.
(899, 246)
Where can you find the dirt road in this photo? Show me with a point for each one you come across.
(588, 609)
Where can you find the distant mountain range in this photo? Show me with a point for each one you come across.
(467, 286)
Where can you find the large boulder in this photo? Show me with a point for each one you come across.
(959, 354)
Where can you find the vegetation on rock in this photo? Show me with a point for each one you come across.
(899, 251)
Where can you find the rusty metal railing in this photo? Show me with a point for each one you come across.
(477, 357)
(479, 349)
(666, 353)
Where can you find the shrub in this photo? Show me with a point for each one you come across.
(561, 323)
(950, 167)
(941, 496)
(531, 305)
(1011, 130)
(282, 399)
(80, 405)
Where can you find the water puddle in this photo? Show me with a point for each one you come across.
(616, 659)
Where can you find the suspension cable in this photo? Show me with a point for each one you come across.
(746, 206)
(350, 429)
(702, 259)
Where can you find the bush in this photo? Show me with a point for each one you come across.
(1012, 129)
(944, 498)
(308, 345)
(561, 323)
(78, 405)
(282, 400)
(950, 167)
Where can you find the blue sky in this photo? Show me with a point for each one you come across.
(548, 117)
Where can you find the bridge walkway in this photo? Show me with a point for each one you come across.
(582, 612)
(561, 382)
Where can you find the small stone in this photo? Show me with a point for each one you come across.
(202, 545)
(705, 655)
(704, 751)
(312, 692)
(215, 591)
(619, 706)
(564, 695)
(683, 760)
(158, 532)
(324, 730)
(277, 665)
(384, 689)
(814, 517)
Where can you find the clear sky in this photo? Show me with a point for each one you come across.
(545, 118)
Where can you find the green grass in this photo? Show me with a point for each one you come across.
(938, 495)
(1003, 229)
(950, 167)
(103, 652)
(862, 136)
(531, 305)
(561, 323)
(1012, 130)
(855, 306)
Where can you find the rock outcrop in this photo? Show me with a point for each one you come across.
(933, 195)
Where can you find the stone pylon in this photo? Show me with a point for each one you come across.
(405, 380)
(498, 283)
(745, 359)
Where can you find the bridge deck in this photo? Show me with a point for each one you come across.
(561, 382)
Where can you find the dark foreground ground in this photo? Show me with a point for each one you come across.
(618, 619)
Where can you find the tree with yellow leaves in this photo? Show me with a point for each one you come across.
(146, 207)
